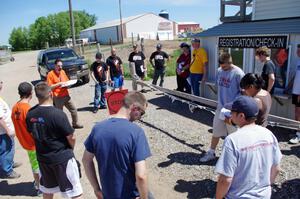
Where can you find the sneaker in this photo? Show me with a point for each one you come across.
(208, 157)
(95, 110)
(12, 175)
(296, 139)
(77, 126)
(17, 164)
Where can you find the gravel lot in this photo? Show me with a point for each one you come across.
(177, 139)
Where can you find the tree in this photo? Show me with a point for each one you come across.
(54, 29)
(19, 39)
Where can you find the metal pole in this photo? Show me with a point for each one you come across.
(72, 23)
(121, 23)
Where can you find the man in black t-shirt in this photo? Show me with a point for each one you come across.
(116, 70)
(54, 141)
(137, 66)
(159, 57)
(268, 71)
(99, 73)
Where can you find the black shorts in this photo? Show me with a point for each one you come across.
(63, 177)
(140, 74)
(295, 100)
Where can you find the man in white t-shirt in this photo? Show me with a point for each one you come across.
(296, 96)
(250, 158)
(7, 146)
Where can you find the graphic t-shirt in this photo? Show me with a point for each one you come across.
(5, 114)
(268, 68)
(199, 58)
(99, 70)
(296, 85)
(138, 59)
(117, 145)
(228, 83)
(159, 59)
(248, 155)
(49, 127)
(18, 117)
(53, 78)
(114, 63)
(183, 61)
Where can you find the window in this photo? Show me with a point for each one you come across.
(280, 58)
(237, 55)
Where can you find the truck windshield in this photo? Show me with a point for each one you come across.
(63, 55)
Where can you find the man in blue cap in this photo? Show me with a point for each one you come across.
(250, 158)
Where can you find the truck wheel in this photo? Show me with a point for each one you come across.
(86, 79)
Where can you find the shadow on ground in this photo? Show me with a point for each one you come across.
(18, 189)
(196, 189)
(202, 116)
(193, 146)
(85, 109)
(290, 189)
(186, 158)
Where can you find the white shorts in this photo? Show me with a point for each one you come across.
(220, 128)
(63, 178)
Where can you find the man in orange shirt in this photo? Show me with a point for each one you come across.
(56, 80)
(18, 117)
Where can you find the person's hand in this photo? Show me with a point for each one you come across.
(98, 194)
(228, 120)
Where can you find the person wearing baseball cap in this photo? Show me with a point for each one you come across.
(159, 66)
(99, 73)
(137, 66)
(198, 66)
(183, 69)
(250, 159)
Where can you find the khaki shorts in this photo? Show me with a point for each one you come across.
(220, 129)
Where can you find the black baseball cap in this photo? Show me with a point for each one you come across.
(98, 55)
(159, 46)
(135, 45)
(195, 40)
(25, 89)
(244, 104)
(182, 45)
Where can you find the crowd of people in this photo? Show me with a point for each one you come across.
(250, 157)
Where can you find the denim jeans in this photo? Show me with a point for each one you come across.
(195, 81)
(7, 152)
(159, 73)
(99, 99)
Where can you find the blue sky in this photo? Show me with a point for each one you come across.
(15, 13)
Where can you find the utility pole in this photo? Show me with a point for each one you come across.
(121, 23)
(72, 24)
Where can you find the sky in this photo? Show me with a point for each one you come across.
(15, 13)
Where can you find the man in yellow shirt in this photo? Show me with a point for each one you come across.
(198, 66)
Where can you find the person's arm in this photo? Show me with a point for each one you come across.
(223, 185)
(290, 85)
(151, 60)
(275, 169)
(271, 82)
(51, 84)
(71, 140)
(4, 126)
(141, 179)
(90, 171)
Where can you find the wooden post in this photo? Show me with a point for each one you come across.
(82, 48)
(110, 43)
(132, 39)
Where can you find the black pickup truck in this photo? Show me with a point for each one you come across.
(74, 65)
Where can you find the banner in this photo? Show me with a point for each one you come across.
(254, 42)
(115, 100)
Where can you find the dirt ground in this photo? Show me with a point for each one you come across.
(177, 140)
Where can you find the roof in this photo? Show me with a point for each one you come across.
(187, 23)
(282, 26)
(116, 22)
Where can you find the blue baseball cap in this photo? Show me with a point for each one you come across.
(244, 104)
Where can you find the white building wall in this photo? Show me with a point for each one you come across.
(271, 9)
(88, 34)
(147, 27)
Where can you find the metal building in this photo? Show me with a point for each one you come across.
(275, 24)
(147, 26)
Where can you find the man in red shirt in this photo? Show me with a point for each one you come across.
(183, 69)
(56, 80)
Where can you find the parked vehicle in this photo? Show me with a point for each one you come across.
(74, 66)
(5, 54)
